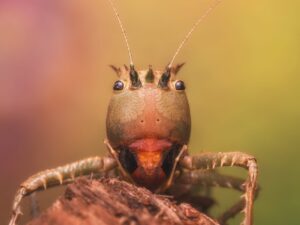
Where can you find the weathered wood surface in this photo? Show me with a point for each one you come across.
(112, 202)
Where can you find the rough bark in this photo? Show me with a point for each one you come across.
(111, 201)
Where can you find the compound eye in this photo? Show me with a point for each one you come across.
(118, 85)
(179, 85)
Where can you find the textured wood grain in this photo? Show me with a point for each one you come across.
(110, 201)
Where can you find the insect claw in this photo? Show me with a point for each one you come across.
(243, 211)
(60, 177)
(233, 161)
(229, 184)
(214, 164)
(44, 183)
(17, 211)
(223, 160)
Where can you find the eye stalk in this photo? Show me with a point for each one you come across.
(118, 85)
(179, 85)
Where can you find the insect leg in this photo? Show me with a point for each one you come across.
(115, 155)
(212, 178)
(212, 160)
(172, 174)
(57, 176)
(35, 209)
(185, 192)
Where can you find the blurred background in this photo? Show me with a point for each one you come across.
(242, 78)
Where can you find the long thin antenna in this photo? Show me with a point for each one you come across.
(203, 16)
(123, 30)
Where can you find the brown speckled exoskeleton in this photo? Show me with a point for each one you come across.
(148, 129)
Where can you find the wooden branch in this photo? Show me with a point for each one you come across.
(112, 202)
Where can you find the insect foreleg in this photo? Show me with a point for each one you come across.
(60, 175)
(212, 160)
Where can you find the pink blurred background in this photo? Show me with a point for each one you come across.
(242, 77)
(52, 93)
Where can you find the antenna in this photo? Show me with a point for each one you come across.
(123, 30)
(188, 35)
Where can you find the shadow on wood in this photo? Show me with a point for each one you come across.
(112, 202)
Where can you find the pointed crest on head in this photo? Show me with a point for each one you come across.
(117, 70)
(164, 79)
(134, 77)
(149, 78)
(126, 67)
(166, 76)
(175, 69)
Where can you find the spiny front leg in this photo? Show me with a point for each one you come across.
(213, 160)
(57, 176)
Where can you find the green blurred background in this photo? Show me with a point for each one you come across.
(242, 77)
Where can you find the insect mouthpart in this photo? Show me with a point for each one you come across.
(149, 161)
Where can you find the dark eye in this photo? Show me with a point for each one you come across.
(179, 85)
(118, 85)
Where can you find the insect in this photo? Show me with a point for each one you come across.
(148, 128)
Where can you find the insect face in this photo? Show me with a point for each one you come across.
(148, 121)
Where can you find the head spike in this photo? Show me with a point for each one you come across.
(177, 68)
(126, 67)
(150, 75)
(134, 77)
(186, 38)
(123, 30)
(116, 69)
(164, 79)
